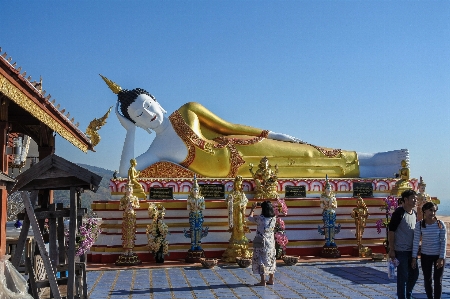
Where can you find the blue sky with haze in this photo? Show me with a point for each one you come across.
(358, 75)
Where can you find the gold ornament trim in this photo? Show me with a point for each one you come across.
(18, 97)
(192, 141)
(167, 170)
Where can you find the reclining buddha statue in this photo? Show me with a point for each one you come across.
(197, 139)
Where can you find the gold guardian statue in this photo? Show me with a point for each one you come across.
(238, 244)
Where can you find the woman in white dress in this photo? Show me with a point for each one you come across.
(264, 253)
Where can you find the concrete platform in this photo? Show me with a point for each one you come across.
(343, 278)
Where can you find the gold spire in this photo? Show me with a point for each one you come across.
(113, 86)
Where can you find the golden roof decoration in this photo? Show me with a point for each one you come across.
(39, 105)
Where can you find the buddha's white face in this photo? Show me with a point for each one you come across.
(146, 112)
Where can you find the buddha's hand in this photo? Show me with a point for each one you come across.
(283, 137)
(126, 123)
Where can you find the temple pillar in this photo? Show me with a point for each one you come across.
(3, 217)
(3, 193)
(45, 151)
(4, 128)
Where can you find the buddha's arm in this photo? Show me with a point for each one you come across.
(127, 151)
(197, 116)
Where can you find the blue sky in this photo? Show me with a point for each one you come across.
(368, 76)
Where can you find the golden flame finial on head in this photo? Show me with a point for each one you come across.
(113, 86)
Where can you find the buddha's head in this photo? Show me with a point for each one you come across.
(138, 106)
(133, 162)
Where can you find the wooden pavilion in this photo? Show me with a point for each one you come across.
(25, 109)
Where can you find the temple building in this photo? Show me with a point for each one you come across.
(28, 119)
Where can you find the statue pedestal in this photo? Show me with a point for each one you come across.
(194, 256)
(234, 251)
(128, 260)
(362, 251)
(330, 252)
(400, 186)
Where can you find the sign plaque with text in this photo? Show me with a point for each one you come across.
(362, 189)
(212, 191)
(161, 193)
(295, 192)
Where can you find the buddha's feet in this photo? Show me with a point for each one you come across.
(383, 164)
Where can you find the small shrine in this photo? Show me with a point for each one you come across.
(54, 173)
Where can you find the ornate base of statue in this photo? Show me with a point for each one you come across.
(330, 252)
(128, 260)
(400, 186)
(194, 256)
(236, 249)
(362, 251)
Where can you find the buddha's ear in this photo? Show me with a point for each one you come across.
(162, 109)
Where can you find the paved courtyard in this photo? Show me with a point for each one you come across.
(340, 279)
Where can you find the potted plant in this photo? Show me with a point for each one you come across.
(281, 239)
(157, 232)
(390, 204)
(86, 236)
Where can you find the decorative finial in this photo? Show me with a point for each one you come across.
(113, 86)
(24, 74)
(94, 126)
(422, 183)
(327, 184)
(195, 184)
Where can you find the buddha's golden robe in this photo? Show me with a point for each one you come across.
(217, 148)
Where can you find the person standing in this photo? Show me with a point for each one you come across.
(400, 237)
(433, 249)
(264, 260)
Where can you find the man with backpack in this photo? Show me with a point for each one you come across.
(400, 237)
